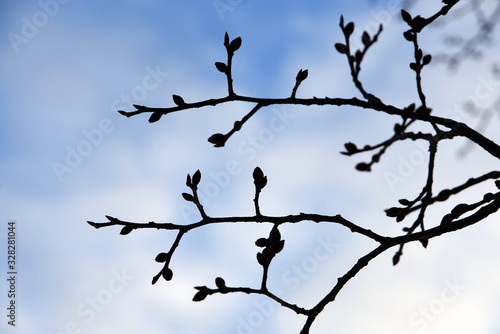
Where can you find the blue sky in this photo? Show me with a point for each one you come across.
(68, 65)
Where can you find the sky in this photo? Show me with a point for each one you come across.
(68, 157)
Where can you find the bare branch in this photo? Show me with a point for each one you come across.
(421, 229)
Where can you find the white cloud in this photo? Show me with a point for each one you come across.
(66, 80)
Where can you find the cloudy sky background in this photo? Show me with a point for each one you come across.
(72, 64)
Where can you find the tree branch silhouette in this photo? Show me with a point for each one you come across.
(470, 47)
(420, 229)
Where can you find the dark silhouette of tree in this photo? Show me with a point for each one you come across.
(440, 129)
